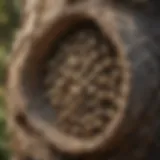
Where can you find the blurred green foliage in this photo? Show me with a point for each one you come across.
(9, 16)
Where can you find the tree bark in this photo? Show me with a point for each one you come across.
(83, 81)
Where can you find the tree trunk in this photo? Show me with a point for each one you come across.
(83, 81)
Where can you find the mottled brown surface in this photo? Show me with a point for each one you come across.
(83, 81)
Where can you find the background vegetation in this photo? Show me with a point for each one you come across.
(9, 15)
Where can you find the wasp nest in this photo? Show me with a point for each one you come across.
(83, 81)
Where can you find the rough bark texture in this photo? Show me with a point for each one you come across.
(83, 81)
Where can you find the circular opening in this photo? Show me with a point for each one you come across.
(74, 84)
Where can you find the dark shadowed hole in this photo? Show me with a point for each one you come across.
(21, 120)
